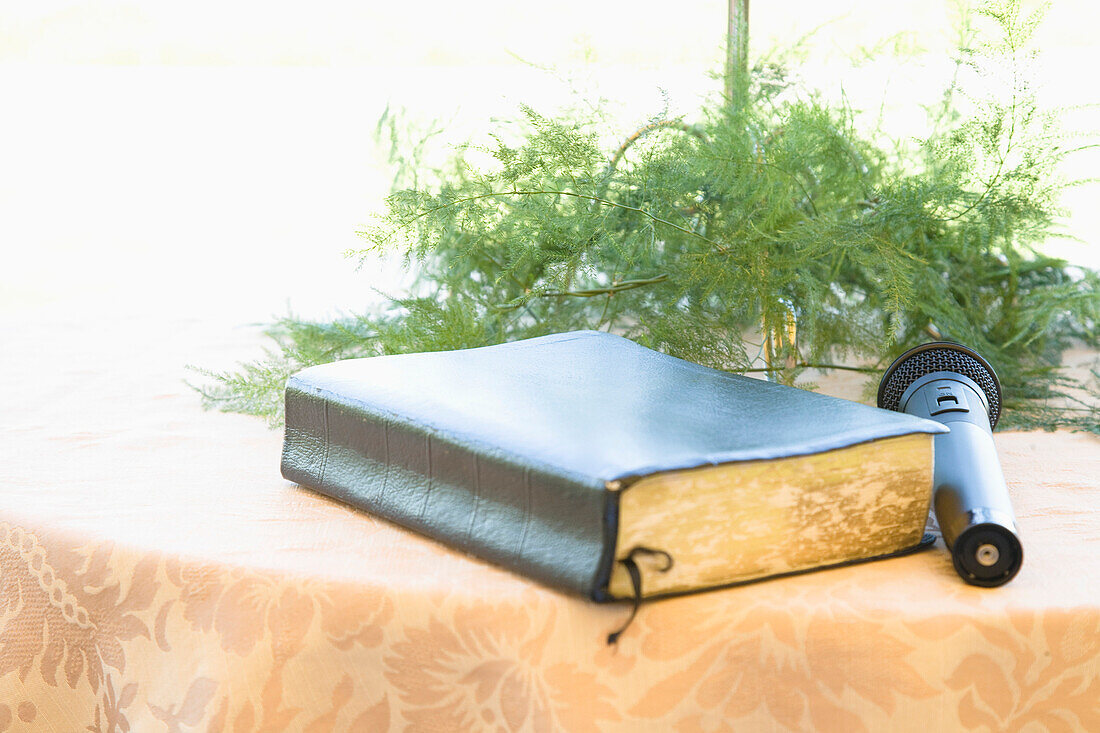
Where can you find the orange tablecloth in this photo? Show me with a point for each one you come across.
(156, 573)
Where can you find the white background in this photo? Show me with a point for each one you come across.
(216, 158)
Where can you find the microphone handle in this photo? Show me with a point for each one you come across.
(970, 497)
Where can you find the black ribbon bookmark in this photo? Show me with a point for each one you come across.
(636, 581)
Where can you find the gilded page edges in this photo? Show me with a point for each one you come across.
(890, 478)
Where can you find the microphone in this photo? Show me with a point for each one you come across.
(954, 385)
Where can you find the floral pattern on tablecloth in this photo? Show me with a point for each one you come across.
(96, 637)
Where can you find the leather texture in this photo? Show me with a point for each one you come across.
(506, 451)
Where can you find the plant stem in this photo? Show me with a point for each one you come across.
(590, 293)
(614, 288)
(737, 53)
(574, 194)
(811, 365)
(642, 132)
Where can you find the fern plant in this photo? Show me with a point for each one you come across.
(767, 234)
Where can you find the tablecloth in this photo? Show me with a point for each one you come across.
(157, 573)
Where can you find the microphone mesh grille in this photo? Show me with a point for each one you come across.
(940, 359)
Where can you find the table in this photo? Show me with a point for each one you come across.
(157, 573)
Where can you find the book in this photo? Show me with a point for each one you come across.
(592, 464)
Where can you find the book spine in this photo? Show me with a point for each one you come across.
(551, 528)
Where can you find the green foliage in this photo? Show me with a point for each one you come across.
(771, 232)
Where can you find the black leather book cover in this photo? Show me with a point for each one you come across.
(514, 453)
